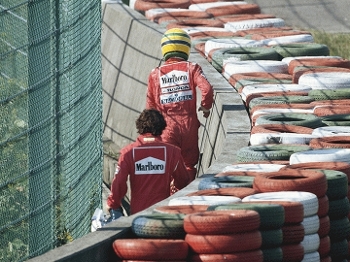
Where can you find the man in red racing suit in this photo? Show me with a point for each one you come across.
(172, 91)
(151, 165)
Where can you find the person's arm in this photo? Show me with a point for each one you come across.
(206, 89)
(181, 176)
(151, 98)
(119, 185)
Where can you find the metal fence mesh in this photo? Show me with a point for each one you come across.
(50, 123)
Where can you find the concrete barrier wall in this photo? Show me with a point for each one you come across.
(130, 49)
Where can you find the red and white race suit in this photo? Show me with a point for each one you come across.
(172, 91)
(151, 165)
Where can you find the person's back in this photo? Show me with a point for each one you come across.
(172, 90)
(150, 164)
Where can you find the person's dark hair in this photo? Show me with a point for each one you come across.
(150, 121)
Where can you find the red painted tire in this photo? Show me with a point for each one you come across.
(334, 62)
(144, 5)
(151, 249)
(292, 252)
(215, 34)
(229, 243)
(337, 166)
(325, 246)
(266, 35)
(234, 10)
(330, 102)
(332, 110)
(293, 210)
(325, 225)
(280, 128)
(182, 209)
(221, 222)
(176, 15)
(323, 206)
(200, 48)
(248, 256)
(192, 22)
(239, 192)
(293, 234)
(292, 180)
(261, 30)
(330, 142)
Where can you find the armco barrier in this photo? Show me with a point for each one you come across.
(130, 49)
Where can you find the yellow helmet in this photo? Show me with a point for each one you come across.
(176, 43)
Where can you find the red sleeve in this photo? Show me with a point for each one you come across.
(181, 175)
(151, 92)
(119, 184)
(204, 86)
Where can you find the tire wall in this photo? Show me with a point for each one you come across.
(130, 50)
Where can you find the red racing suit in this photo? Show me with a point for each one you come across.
(151, 165)
(172, 91)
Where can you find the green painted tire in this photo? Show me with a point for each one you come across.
(159, 226)
(225, 181)
(280, 100)
(301, 49)
(296, 119)
(268, 152)
(242, 53)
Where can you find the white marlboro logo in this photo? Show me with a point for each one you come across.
(149, 160)
(174, 78)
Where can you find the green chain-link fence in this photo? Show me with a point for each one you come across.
(50, 123)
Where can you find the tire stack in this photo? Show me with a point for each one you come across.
(224, 236)
(312, 181)
(272, 217)
(337, 217)
(310, 243)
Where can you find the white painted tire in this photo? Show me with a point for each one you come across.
(229, 43)
(249, 66)
(291, 58)
(254, 23)
(253, 168)
(321, 155)
(311, 257)
(326, 80)
(308, 199)
(331, 131)
(264, 88)
(302, 38)
(280, 138)
(205, 6)
(203, 200)
(311, 224)
(311, 243)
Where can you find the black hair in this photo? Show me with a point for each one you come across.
(150, 121)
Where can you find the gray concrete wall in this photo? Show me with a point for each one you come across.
(130, 49)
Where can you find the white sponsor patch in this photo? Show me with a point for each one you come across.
(149, 165)
(174, 78)
(149, 160)
(176, 97)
